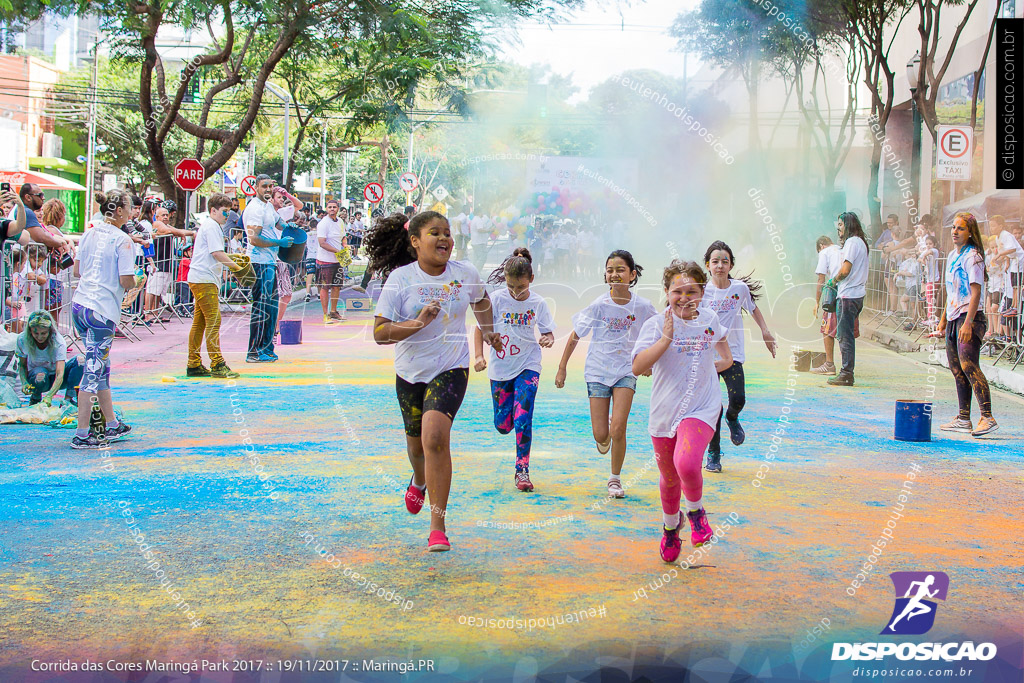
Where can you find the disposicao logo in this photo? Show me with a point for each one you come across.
(914, 611)
(914, 614)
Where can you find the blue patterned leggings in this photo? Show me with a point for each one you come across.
(513, 407)
(98, 334)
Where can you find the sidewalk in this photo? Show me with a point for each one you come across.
(931, 351)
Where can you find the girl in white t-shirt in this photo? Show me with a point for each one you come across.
(729, 297)
(422, 310)
(615, 319)
(680, 346)
(515, 369)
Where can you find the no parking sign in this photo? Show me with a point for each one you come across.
(954, 152)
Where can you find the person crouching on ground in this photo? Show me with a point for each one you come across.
(43, 363)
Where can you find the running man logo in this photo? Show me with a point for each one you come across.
(914, 612)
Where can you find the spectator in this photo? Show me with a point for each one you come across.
(830, 259)
(11, 228)
(851, 280)
(1011, 253)
(330, 237)
(234, 218)
(43, 363)
(164, 232)
(32, 199)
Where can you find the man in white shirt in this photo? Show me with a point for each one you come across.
(830, 258)
(260, 218)
(330, 237)
(851, 280)
(461, 233)
(478, 239)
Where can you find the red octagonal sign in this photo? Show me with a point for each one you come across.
(189, 174)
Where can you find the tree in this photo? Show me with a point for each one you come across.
(930, 71)
(736, 35)
(118, 121)
(869, 21)
(239, 62)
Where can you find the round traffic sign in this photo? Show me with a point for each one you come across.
(408, 181)
(189, 174)
(954, 143)
(249, 186)
(374, 192)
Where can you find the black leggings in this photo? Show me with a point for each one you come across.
(964, 364)
(444, 394)
(735, 387)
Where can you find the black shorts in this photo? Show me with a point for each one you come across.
(328, 274)
(444, 394)
(1015, 279)
(354, 240)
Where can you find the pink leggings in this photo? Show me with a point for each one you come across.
(680, 458)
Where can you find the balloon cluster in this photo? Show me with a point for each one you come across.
(509, 220)
(563, 202)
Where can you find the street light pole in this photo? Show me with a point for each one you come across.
(287, 99)
(323, 166)
(91, 146)
(913, 69)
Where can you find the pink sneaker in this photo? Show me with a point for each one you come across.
(413, 499)
(671, 546)
(438, 542)
(700, 530)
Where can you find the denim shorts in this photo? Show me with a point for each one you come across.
(598, 390)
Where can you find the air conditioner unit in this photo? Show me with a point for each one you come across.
(52, 145)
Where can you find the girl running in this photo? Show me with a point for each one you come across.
(963, 325)
(615, 319)
(729, 297)
(515, 369)
(680, 346)
(422, 309)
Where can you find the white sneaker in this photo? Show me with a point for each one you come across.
(958, 424)
(825, 368)
(615, 489)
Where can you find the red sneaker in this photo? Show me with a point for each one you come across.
(413, 498)
(700, 530)
(523, 482)
(438, 542)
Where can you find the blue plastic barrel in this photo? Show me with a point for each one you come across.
(913, 421)
(291, 331)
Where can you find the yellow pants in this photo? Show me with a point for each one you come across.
(206, 321)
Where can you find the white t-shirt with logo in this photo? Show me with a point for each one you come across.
(204, 269)
(830, 260)
(516, 321)
(442, 345)
(333, 231)
(615, 331)
(104, 255)
(728, 304)
(685, 382)
(853, 285)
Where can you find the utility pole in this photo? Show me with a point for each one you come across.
(344, 179)
(323, 166)
(90, 166)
